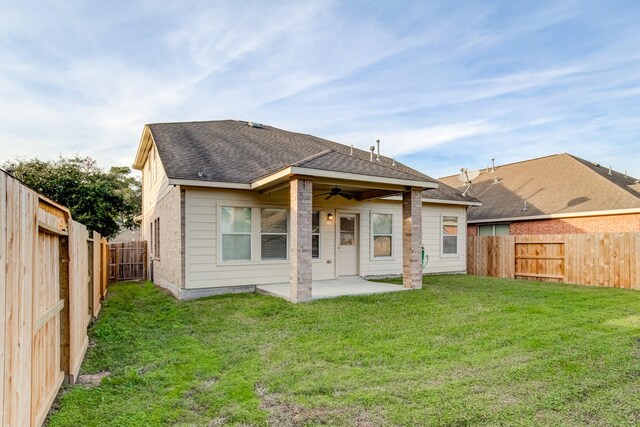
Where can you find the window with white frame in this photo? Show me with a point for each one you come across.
(235, 224)
(382, 230)
(273, 234)
(449, 235)
(493, 230)
(315, 235)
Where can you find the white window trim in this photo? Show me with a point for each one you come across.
(256, 253)
(372, 256)
(319, 233)
(221, 260)
(458, 253)
(287, 234)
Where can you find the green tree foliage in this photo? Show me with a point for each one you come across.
(105, 201)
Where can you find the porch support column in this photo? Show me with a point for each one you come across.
(412, 238)
(300, 246)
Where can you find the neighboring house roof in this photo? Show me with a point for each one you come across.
(552, 186)
(127, 235)
(231, 151)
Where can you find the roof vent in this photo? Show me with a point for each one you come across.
(610, 170)
(372, 149)
(496, 180)
(525, 208)
(255, 125)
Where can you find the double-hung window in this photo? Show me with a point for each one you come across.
(493, 230)
(273, 234)
(382, 225)
(235, 226)
(157, 238)
(315, 235)
(449, 235)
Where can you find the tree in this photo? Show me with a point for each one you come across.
(104, 201)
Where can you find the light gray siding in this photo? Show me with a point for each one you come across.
(204, 267)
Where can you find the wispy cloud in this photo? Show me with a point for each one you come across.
(443, 86)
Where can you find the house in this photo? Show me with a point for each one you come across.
(558, 194)
(231, 205)
(127, 235)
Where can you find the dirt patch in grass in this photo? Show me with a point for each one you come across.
(92, 380)
(285, 414)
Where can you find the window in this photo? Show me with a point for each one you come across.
(151, 236)
(156, 240)
(235, 225)
(273, 234)
(382, 225)
(315, 235)
(493, 230)
(449, 235)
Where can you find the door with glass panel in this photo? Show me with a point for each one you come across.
(347, 250)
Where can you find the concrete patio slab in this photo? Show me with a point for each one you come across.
(344, 286)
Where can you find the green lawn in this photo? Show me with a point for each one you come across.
(463, 351)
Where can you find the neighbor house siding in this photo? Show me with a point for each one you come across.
(204, 269)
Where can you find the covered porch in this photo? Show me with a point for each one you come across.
(340, 287)
(304, 186)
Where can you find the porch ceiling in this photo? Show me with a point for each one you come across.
(360, 191)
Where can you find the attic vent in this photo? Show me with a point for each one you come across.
(255, 125)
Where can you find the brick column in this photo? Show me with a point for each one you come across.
(412, 239)
(300, 245)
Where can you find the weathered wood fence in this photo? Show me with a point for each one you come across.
(53, 282)
(127, 261)
(599, 259)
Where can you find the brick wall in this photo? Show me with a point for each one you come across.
(167, 265)
(587, 224)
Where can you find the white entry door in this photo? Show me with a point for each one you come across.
(347, 253)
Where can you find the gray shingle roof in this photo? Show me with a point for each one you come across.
(558, 184)
(232, 151)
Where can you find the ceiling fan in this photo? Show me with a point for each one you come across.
(335, 191)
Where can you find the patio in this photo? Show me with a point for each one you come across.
(343, 286)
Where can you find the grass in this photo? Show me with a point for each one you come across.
(463, 351)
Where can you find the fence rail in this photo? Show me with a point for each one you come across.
(599, 259)
(52, 284)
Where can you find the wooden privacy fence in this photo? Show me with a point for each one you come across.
(599, 259)
(53, 282)
(127, 261)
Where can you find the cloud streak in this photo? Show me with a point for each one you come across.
(442, 86)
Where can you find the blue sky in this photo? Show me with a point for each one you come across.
(444, 85)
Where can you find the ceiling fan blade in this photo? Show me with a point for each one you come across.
(329, 196)
(321, 194)
(346, 196)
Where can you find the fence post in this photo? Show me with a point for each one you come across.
(65, 355)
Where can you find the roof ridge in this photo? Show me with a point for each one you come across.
(515, 163)
(380, 163)
(623, 187)
(312, 157)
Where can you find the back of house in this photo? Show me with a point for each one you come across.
(229, 205)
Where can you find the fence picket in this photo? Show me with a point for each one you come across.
(599, 259)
